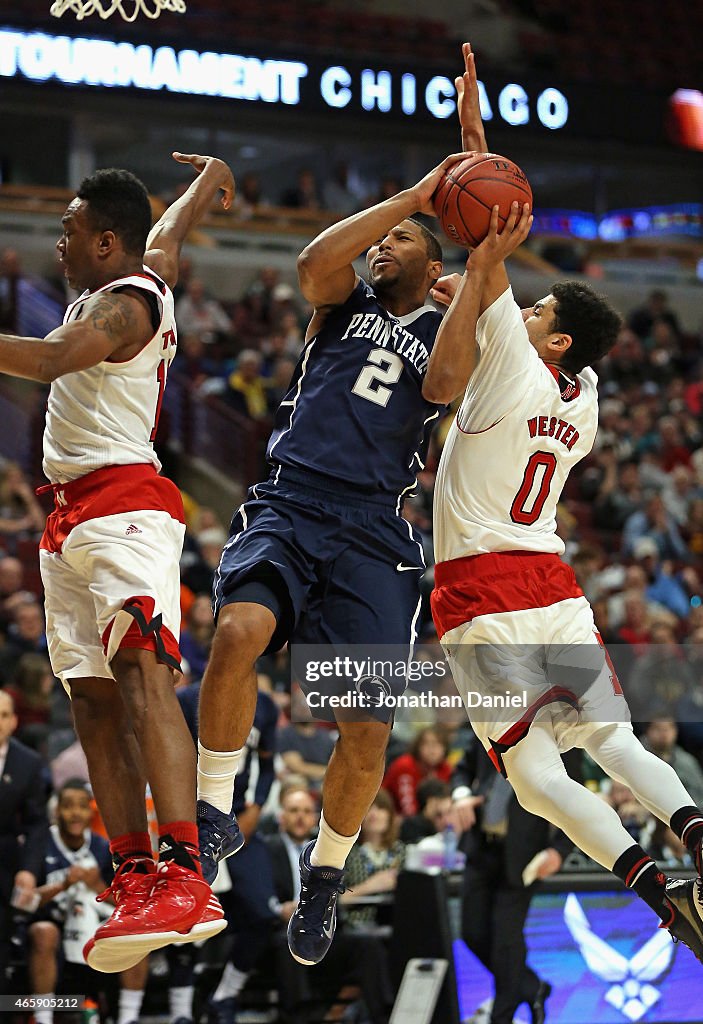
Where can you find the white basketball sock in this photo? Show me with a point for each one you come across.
(331, 850)
(180, 1002)
(130, 1005)
(216, 772)
(44, 1016)
(231, 983)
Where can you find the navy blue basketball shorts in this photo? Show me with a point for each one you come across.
(345, 568)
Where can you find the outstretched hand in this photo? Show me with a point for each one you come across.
(199, 163)
(468, 105)
(497, 246)
(427, 186)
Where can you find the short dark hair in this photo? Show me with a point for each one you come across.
(119, 202)
(75, 783)
(589, 319)
(434, 249)
(429, 789)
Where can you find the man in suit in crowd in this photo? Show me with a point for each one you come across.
(23, 826)
(357, 959)
(500, 839)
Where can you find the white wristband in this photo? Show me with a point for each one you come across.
(461, 793)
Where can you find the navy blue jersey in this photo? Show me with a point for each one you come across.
(261, 741)
(355, 410)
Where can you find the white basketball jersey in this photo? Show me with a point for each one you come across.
(520, 429)
(107, 415)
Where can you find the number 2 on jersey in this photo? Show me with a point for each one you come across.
(382, 368)
(528, 504)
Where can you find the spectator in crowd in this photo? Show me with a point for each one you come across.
(25, 635)
(427, 757)
(11, 585)
(306, 749)
(658, 840)
(202, 316)
(620, 492)
(246, 392)
(655, 523)
(634, 629)
(71, 763)
(678, 494)
(642, 319)
(374, 861)
(249, 197)
(31, 690)
(337, 192)
(305, 194)
(77, 867)
(23, 825)
(660, 737)
(279, 383)
(20, 512)
(661, 677)
(501, 840)
(352, 959)
(434, 801)
(10, 274)
(664, 587)
(197, 635)
(632, 814)
(199, 570)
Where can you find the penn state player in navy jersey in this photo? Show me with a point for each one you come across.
(320, 551)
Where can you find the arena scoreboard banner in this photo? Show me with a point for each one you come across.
(347, 88)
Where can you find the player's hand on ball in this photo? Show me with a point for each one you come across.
(445, 289)
(497, 246)
(427, 186)
(199, 163)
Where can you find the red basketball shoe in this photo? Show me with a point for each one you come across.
(180, 907)
(129, 891)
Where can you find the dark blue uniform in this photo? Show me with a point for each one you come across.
(325, 532)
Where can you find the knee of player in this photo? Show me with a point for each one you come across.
(530, 794)
(44, 937)
(93, 700)
(363, 743)
(243, 632)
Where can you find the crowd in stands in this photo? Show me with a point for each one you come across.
(632, 522)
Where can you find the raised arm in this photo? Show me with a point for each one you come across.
(109, 322)
(455, 353)
(170, 231)
(325, 270)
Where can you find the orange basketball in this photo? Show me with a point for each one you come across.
(471, 188)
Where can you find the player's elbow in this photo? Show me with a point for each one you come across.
(440, 389)
(308, 267)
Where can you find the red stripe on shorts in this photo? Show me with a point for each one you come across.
(504, 581)
(107, 492)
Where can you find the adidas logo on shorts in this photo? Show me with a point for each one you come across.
(132, 529)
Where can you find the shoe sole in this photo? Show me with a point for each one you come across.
(120, 952)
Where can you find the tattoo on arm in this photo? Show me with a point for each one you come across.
(113, 315)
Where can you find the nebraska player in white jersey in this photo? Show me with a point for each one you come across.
(110, 552)
(508, 611)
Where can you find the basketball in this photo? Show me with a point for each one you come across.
(471, 188)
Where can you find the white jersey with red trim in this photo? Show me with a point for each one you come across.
(520, 429)
(107, 415)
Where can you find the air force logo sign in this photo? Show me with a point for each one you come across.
(631, 990)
